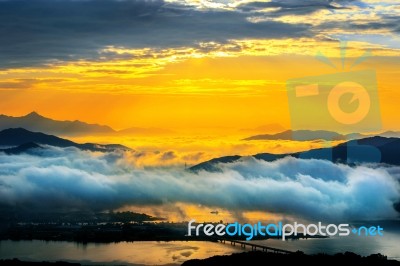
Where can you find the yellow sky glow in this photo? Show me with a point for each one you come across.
(188, 89)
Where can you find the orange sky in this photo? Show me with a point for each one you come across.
(193, 94)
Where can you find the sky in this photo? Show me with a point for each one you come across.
(187, 65)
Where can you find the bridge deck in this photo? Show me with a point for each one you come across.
(243, 244)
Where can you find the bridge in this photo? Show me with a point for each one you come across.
(244, 244)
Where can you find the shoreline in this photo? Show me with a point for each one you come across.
(112, 233)
(256, 258)
(251, 258)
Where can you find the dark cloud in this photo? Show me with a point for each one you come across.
(293, 7)
(42, 31)
(387, 23)
(56, 178)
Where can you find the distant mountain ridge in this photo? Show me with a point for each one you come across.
(300, 135)
(309, 135)
(37, 123)
(366, 150)
(390, 134)
(23, 148)
(21, 140)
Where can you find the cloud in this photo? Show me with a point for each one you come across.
(26, 83)
(39, 31)
(293, 7)
(169, 155)
(68, 178)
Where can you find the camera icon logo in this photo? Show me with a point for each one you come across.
(345, 102)
(359, 93)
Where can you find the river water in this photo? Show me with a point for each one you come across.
(176, 252)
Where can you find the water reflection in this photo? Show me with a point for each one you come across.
(135, 253)
(175, 253)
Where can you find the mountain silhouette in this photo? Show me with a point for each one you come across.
(300, 135)
(212, 165)
(390, 134)
(23, 148)
(258, 258)
(375, 149)
(20, 140)
(309, 135)
(37, 123)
